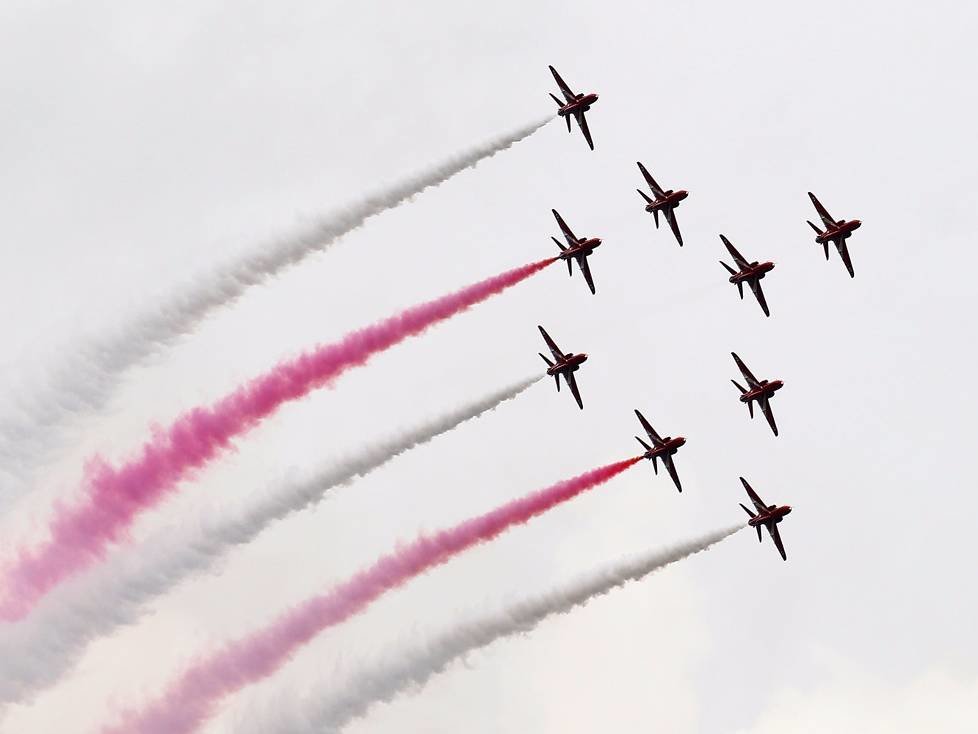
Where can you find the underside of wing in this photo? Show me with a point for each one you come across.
(554, 349)
(568, 234)
(822, 212)
(667, 460)
(738, 258)
(655, 437)
(748, 375)
(586, 271)
(840, 245)
(758, 502)
(755, 285)
(582, 122)
(565, 90)
(772, 528)
(572, 384)
(769, 414)
(671, 218)
(656, 189)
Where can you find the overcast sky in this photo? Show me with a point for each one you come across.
(144, 143)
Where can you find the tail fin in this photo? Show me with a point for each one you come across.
(825, 246)
(557, 380)
(644, 445)
(729, 269)
(748, 511)
(740, 289)
(555, 99)
(655, 216)
(655, 465)
(549, 363)
(568, 123)
(750, 408)
(758, 528)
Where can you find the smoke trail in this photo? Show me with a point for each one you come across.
(85, 382)
(39, 650)
(80, 533)
(413, 669)
(194, 696)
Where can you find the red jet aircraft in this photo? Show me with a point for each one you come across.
(767, 515)
(662, 448)
(750, 273)
(665, 201)
(760, 390)
(578, 249)
(574, 104)
(563, 364)
(836, 232)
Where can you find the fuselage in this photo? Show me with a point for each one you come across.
(670, 445)
(754, 270)
(773, 514)
(570, 363)
(581, 104)
(671, 199)
(842, 229)
(765, 389)
(584, 246)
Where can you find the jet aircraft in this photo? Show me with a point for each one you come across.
(760, 390)
(767, 515)
(574, 105)
(563, 364)
(578, 248)
(665, 202)
(749, 272)
(661, 448)
(836, 232)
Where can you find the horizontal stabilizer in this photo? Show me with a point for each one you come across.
(815, 228)
(740, 289)
(728, 268)
(549, 363)
(748, 511)
(644, 445)
(555, 99)
(559, 244)
(742, 389)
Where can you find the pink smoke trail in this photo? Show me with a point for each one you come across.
(81, 532)
(194, 696)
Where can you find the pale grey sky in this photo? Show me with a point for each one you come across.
(143, 144)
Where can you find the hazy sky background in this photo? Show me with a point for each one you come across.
(143, 143)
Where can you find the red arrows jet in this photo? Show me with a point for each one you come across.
(760, 390)
(563, 364)
(767, 515)
(574, 104)
(665, 201)
(750, 273)
(836, 232)
(578, 248)
(662, 448)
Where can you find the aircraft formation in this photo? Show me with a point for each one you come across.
(744, 272)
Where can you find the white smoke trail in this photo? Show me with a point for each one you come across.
(412, 669)
(84, 383)
(37, 651)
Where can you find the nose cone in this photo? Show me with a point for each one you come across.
(597, 241)
(683, 195)
(680, 440)
(583, 357)
(856, 224)
(594, 97)
(787, 509)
